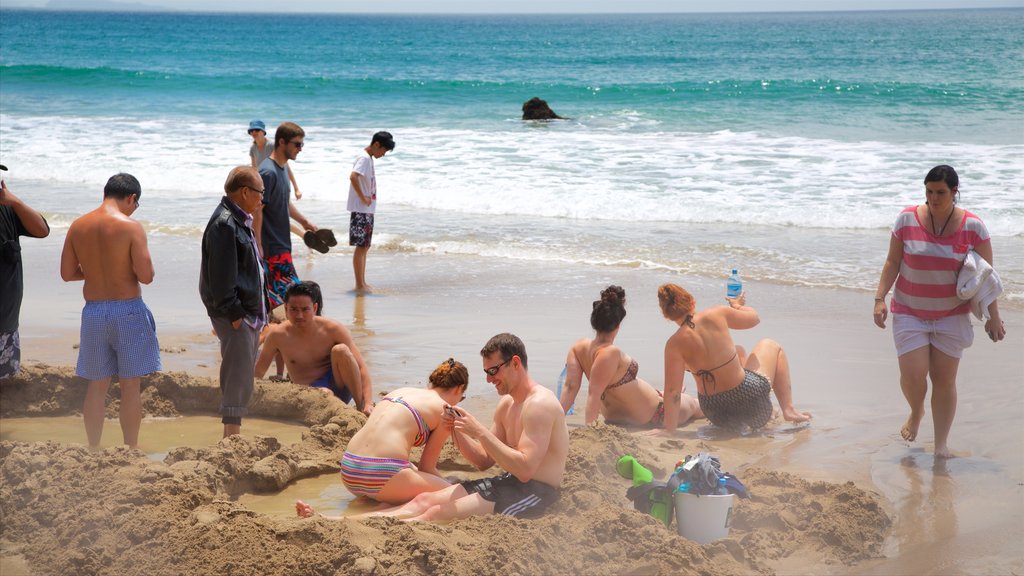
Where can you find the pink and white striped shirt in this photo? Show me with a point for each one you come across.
(926, 286)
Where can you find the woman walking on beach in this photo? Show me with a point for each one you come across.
(615, 391)
(930, 324)
(376, 461)
(732, 388)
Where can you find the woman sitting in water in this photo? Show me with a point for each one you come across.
(615, 391)
(376, 460)
(733, 390)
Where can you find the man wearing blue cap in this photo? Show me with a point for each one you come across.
(262, 148)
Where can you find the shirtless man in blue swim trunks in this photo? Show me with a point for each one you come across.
(318, 351)
(108, 250)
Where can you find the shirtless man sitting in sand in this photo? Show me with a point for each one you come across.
(107, 249)
(529, 440)
(318, 351)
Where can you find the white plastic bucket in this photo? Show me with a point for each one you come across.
(703, 519)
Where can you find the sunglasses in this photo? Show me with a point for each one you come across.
(256, 190)
(494, 369)
(298, 145)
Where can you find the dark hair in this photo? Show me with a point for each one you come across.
(286, 131)
(609, 310)
(307, 288)
(449, 374)
(944, 173)
(385, 139)
(240, 177)
(122, 186)
(508, 344)
(676, 303)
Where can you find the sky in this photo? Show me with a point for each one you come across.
(519, 6)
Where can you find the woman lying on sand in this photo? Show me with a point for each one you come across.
(376, 461)
(732, 390)
(615, 391)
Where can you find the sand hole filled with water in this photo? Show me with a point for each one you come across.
(157, 436)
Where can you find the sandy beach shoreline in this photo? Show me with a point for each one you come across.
(430, 307)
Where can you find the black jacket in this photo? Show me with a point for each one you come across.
(229, 279)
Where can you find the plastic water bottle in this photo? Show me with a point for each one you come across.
(558, 392)
(722, 490)
(734, 287)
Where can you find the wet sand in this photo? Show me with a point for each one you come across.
(965, 515)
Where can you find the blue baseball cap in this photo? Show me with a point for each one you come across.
(257, 125)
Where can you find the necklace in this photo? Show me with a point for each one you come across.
(932, 218)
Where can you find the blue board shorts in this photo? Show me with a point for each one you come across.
(327, 381)
(118, 337)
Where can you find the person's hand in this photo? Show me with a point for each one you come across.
(310, 226)
(448, 415)
(881, 313)
(367, 200)
(468, 425)
(298, 193)
(995, 328)
(368, 408)
(737, 302)
(236, 324)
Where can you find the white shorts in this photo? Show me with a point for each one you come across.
(950, 335)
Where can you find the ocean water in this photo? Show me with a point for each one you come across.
(780, 144)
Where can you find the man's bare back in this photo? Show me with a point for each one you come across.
(108, 250)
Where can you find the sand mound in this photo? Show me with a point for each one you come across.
(66, 510)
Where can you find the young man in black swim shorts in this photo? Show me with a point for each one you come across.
(529, 440)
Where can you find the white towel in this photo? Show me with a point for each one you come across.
(978, 282)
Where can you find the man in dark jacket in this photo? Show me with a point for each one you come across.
(231, 285)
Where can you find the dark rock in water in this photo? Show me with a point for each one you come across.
(537, 109)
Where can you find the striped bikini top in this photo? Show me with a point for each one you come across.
(422, 432)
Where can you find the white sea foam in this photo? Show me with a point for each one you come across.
(562, 169)
(790, 210)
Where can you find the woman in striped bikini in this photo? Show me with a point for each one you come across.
(376, 461)
(930, 324)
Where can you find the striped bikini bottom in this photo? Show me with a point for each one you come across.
(365, 476)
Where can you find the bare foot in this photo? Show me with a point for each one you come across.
(303, 510)
(909, 430)
(364, 289)
(793, 415)
(943, 452)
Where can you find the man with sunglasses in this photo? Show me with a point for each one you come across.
(272, 225)
(529, 440)
(108, 250)
(232, 288)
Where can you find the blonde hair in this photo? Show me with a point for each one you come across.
(449, 374)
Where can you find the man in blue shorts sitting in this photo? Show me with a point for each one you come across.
(318, 351)
(107, 249)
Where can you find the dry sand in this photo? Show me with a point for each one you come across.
(68, 511)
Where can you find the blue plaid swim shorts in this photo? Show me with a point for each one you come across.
(118, 337)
